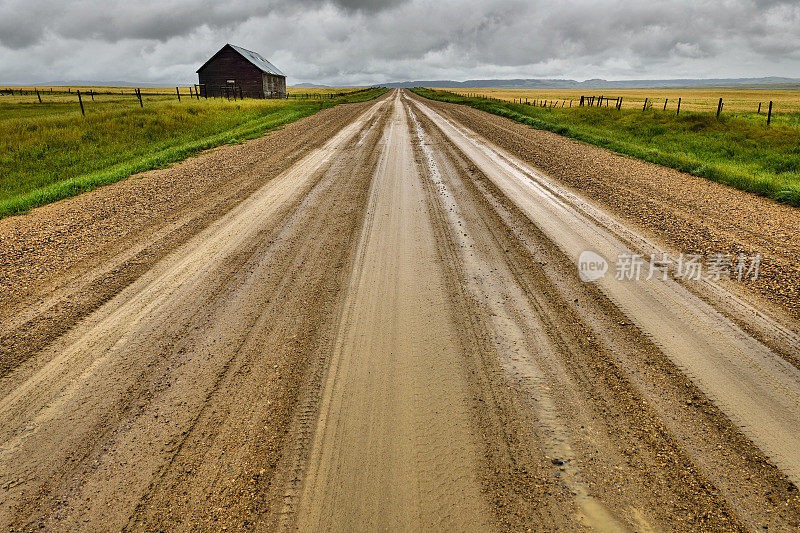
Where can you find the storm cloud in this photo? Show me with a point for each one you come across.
(347, 42)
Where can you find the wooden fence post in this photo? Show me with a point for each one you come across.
(759, 108)
(619, 103)
(39, 96)
(769, 113)
(678, 112)
(665, 103)
(719, 108)
(139, 96)
(91, 93)
(645, 104)
(178, 92)
(80, 101)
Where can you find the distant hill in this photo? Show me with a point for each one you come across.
(310, 85)
(531, 83)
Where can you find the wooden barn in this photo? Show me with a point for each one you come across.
(236, 71)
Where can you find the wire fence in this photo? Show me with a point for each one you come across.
(766, 107)
(81, 96)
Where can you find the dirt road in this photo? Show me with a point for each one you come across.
(388, 332)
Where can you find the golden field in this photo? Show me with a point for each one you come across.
(784, 101)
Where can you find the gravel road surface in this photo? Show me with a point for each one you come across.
(373, 319)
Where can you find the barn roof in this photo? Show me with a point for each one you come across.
(254, 57)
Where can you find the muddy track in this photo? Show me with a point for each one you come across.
(387, 331)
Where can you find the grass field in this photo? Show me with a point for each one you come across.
(738, 150)
(49, 151)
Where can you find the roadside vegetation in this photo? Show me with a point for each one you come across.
(738, 149)
(49, 151)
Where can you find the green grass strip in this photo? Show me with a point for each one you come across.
(152, 136)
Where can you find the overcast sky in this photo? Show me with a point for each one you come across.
(354, 42)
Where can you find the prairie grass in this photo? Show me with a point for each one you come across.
(49, 151)
(738, 149)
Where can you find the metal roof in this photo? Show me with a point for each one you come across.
(254, 57)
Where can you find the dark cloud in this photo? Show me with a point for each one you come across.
(360, 41)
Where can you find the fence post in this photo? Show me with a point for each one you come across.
(619, 103)
(139, 96)
(178, 92)
(719, 108)
(678, 112)
(645, 104)
(39, 96)
(769, 113)
(91, 93)
(759, 108)
(581, 104)
(80, 101)
(665, 103)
